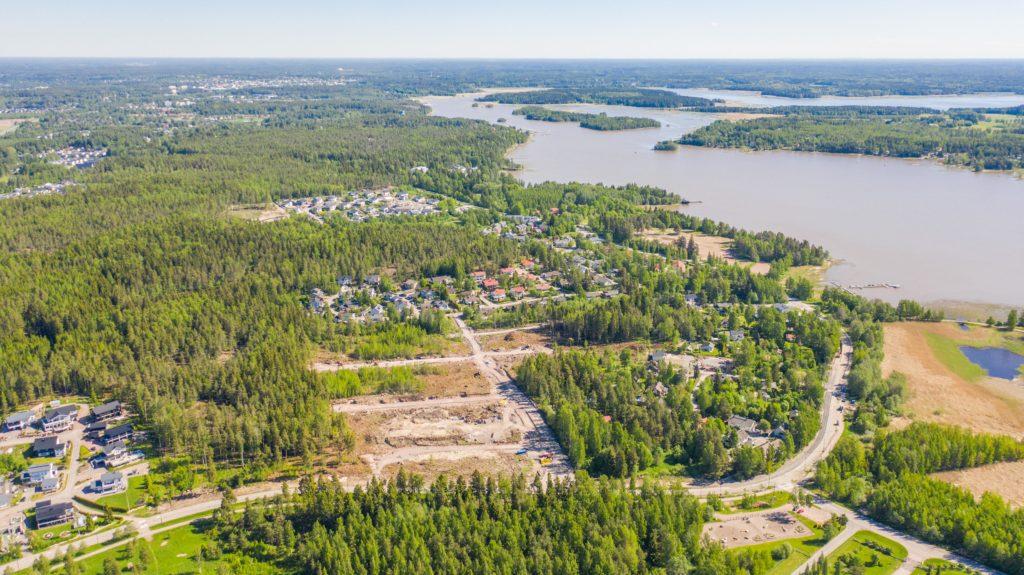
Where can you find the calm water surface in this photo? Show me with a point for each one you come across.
(940, 233)
(998, 362)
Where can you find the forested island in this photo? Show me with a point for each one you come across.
(639, 97)
(601, 122)
(960, 137)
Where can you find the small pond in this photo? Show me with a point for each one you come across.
(998, 362)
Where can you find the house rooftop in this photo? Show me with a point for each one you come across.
(111, 477)
(20, 416)
(46, 511)
(48, 443)
(119, 430)
(62, 411)
(107, 408)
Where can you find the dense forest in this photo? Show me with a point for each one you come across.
(478, 526)
(601, 122)
(639, 97)
(793, 79)
(137, 284)
(956, 137)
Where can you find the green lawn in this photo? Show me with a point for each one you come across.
(802, 549)
(929, 568)
(134, 497)
(40, 539)
(948, 352)
(177, 552)
(947, 349)
(769, 500)
(860, 546)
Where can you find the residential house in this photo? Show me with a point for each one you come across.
(49, 514)
(95, 430)
(49, 484)
(517, 292)
(478, 276)
(106, 411)
(117, 454)
(660, 390)
(36, 473)
(60, 418)
(19, 420)
(742, 424)
(490, 284)
(564, 242)
(736, 335)
(110, 482)
(119, 433)
(498, 295)
(49, 446)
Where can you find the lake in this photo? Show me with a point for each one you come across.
(941, 233)
(998, 362)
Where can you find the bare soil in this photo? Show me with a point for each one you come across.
(754, 528)
(453, 379)
(937, 394)
(1003, 479)
(714, 246)
(512, 340)
(262, 213)
(377, 432)
(490, 464)
(9, 125)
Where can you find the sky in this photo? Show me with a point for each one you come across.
(519, 29)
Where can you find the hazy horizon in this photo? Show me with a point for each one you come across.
(572, 29)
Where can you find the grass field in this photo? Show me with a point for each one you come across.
(123, 502)
(769, 500)
(175, 552)
(930, 567)
(802, 549)
(948, 352)
(943, 386)
(861, 547)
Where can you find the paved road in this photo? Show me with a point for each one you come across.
(802, 466)
(73, 437)
(142, 524)
(917, 551)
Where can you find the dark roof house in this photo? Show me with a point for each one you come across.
(50, 446)
(106, 411)
(48, 513)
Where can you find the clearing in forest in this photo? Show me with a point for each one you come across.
(1004, 479)
(944, 387)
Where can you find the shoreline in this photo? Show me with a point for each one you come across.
(953, 307)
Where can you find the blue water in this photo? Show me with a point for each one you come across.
(998, 362)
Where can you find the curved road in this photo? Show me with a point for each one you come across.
(802, 466)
